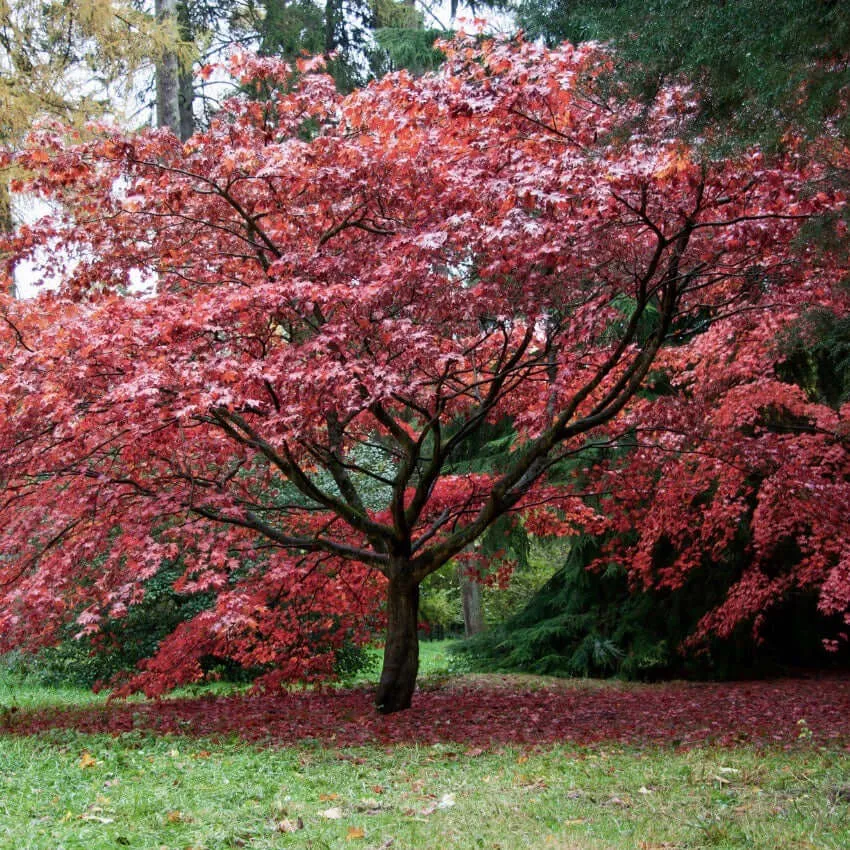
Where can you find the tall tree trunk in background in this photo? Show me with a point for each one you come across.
(333, 20)
(7, 224)
(186, 83)
(167, 74)
(473, 613)
(186, 99)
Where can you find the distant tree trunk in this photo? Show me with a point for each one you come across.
(333, 18)
(185, 104)
(167, 75)
(473, 613)
(186, 81)
(401, 652)
(7, 224)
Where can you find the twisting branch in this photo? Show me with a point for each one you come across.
(18, 335)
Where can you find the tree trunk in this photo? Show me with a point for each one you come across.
(401, 652)
(167, 74)
(473, 613)
(333, 15)
(186, 78)
(186, 101)
(7, 224)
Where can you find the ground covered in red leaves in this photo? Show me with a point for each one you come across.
(482, 713)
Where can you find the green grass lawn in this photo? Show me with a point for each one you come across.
(90, 792)
(436, 660)
(61, 790)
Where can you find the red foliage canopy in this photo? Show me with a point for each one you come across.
(736, 459)
(340, 293)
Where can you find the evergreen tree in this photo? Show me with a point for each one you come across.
(362, 38)
(46, 47)
(762, 66)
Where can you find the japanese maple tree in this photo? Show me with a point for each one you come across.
(271, 343)
(737, 455)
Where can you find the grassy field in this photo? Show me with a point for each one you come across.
(62, 790)
(90, 792)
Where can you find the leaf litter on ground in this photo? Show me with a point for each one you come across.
(482, 713)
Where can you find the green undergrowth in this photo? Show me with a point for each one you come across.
(437, 660)
(19, 691)
(78, 792)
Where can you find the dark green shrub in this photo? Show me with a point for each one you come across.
(589, 622)
(123, 642)
(355, 662)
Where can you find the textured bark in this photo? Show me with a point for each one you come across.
(7, 224)
(186, 79)
(168, 75)
(186, 99)
(401, 652)
(473, 613)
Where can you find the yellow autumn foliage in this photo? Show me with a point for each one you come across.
(60, 59)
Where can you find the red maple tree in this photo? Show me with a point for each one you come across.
(342, 292)
(733, 457)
